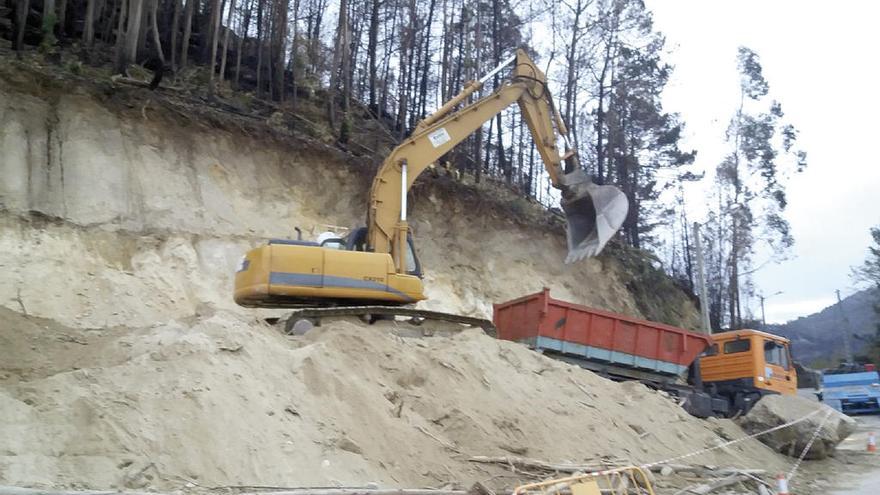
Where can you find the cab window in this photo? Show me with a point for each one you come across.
(413, 267)
(775, 353)
(333, 243)
(735, 346)
(410, 259)
(712, 350)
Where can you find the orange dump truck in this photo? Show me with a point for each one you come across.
(714, 375)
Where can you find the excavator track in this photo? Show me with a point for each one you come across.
(315, 315)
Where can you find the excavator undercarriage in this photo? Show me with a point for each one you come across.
(303, 319)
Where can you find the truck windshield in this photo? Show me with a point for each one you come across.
(774, 353)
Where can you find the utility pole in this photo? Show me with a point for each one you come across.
(763, 298)
(763, 318)
(847, 350)
(701, 278)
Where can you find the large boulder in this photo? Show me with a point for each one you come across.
(775, 410)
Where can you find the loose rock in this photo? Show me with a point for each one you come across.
(775, 410)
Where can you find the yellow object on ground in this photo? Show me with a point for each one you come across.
(631, 480)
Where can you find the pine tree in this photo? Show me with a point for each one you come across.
(751, 179)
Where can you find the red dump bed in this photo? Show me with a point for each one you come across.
(598, 339)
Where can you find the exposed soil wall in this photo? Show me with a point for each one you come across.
(125, 364)
(135, 216)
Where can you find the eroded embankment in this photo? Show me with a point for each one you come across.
(124, 363)
(114, 214)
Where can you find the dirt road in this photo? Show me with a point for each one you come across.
(866, 483)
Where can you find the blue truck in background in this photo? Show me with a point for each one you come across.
(852, 391)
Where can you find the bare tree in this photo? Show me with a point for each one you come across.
(175, 27)
(154, 27)
(280, 23)
(226, 39)
(340, 56)
(215, 15)
(244, 30)
(89, 24)
(372, 48)
(187, 31)
(132, 31)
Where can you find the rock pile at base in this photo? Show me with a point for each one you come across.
(775, 410)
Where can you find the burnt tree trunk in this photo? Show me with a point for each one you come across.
(280, 36)
(260, 48)
(154, 26)
(175, 27)
(372, 48)
(21, 12)
(89, 24)
(187, 32)
(226, 40)
(62, 19)
(245, 29)
(215, 15)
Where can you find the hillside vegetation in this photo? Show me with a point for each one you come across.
(818, 338)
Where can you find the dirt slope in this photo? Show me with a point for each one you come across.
(124, 362)
(221, 401)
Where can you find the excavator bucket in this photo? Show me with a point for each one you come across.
(593, 214)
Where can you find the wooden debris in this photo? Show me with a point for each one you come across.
(521, 462)
(722, 477)
(435, 437)
(704, 471)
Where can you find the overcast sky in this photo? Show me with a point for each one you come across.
(821, 61)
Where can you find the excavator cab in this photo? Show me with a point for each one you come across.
(356, 240)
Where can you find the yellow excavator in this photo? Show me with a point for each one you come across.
(374, 270)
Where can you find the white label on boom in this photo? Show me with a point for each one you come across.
(439, 137)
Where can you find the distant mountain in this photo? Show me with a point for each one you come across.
(817, 339)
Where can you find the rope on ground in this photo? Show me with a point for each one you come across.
(731, 442)
(709, 449)
(809, 444)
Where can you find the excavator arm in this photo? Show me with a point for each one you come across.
(594, 213)
(361, 273)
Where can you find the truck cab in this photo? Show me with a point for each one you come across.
(748, 364)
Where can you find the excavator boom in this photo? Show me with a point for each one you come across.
(593, 213)
(377, 264)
